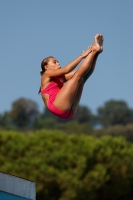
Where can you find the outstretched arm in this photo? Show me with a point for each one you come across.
(68, 68)
(69, 75)
(75, 62)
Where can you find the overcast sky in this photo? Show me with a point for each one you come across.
(31, 30)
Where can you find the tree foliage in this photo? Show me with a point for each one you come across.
(116, 131)
(83, 115)
(23, 113)
(115, 112)
(5, 122)
(70, 167)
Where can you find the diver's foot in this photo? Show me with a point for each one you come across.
(98, 43)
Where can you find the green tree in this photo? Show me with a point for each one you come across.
(70, 167)
(117, 130)
(83, 115)
(44, 123)
(115, 112)
(23, 113)
(5, 122)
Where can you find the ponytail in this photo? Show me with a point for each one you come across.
(39, 90)
(41, 72)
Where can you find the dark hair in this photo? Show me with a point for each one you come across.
(43, 63)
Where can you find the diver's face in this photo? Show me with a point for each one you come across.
(53, 64)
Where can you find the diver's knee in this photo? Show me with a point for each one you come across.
(78, 77)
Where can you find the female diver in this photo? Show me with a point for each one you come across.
(61, 88)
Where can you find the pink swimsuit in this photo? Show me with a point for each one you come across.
(52, 89)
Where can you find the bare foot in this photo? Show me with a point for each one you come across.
(98, 43)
